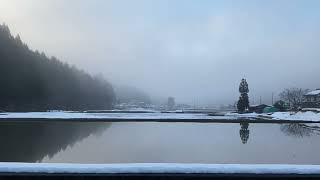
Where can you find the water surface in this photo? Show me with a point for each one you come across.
(158, 142)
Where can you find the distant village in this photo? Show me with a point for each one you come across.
(309, 101)
(292, 99)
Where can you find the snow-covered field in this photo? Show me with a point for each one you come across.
(158, 168)
(278, 116)
(247, 115)
(105, 116)
(303, 116)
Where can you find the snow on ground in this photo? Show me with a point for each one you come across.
(158, 168)
(300, 116)
(132, 110)
(311, 109)
(246, 115)
(304, 116)
(105, 116)
(312, 93)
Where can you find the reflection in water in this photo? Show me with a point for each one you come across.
(155, 142)
(31, 142)
(300, 130)
(219, 143)
(244, 132)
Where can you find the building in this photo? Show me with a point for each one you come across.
(312, 99)
(171, 104)
(258, 108)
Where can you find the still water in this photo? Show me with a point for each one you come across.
(154, 142)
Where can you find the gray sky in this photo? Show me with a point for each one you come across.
(190, 49)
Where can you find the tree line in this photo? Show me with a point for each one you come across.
(31, 81)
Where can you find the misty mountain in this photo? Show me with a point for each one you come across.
(31, 81)
(128, 94)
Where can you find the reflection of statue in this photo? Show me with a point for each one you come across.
(299, 130)
(244, 132)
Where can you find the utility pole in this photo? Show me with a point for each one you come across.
(194, 104)
(272, 97)
(260, 100)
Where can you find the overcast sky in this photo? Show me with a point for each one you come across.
(194, 50)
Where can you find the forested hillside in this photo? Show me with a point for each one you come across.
(128, 94)
(31, 81)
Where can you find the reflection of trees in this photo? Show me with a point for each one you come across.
(31, 142)
(244, 132)
(300, 130)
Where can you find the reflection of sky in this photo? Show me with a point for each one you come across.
(192, 143)
(197, 50)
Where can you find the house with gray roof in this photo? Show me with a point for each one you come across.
(312, 99)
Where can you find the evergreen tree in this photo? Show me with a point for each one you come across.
(281, 105)
(240, 105)
(244, 132)
(243, 103)
(30, 81)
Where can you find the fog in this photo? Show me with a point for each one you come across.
(196, 51)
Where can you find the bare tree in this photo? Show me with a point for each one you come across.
(299, 130)
(293, 96)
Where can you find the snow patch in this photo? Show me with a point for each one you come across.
(245, 115)
(303, 116)
(300, 116)
(105, 116)
(312, 93)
